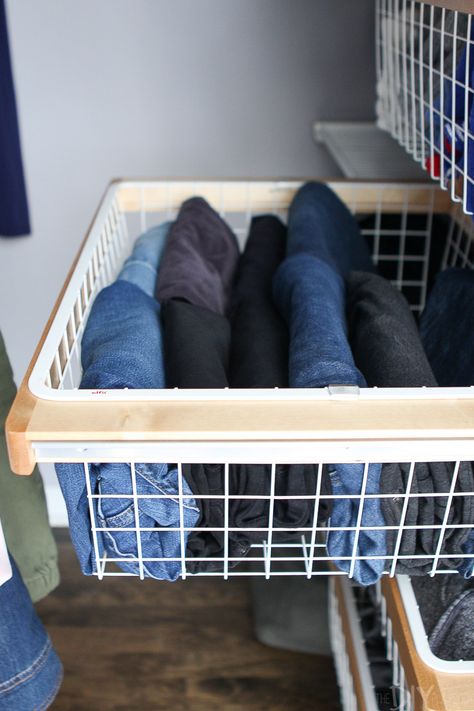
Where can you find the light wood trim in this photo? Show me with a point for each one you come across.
(460, 5)
(366, 195)
(432, 690)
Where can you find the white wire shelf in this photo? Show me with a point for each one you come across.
(425, 89)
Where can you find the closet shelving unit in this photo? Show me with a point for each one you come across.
(53, 421)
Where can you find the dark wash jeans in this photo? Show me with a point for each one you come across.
(122, 348)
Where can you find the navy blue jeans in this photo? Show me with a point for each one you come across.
(321, 225)
(30, 670)
(311, 297)
(122, 348)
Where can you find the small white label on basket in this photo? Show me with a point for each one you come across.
(5, 567)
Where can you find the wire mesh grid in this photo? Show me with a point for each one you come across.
(163, 535)
(424, 62)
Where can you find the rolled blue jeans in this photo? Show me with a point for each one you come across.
(321, 225)
(30, 670)
(122, 348)
(311, 297)
(141, 267)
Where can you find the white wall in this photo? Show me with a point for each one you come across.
(152, 88)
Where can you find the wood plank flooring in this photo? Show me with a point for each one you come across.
(186, 646)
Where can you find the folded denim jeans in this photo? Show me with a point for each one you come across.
(30, 670)
(200, 258)
(311, 297)
(446, 328)
(122, 348)
(321, 225)
(388, 350)
(141, 267)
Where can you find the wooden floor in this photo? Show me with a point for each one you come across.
(186, 646)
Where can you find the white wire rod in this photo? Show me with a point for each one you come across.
(304, 529)
(433, 448)
(137, 520)
(405, 139)
(252, 394)
(271, 506)
(421, 86)
(412, 80)
(402, 520)
(358, 526)
(442, 179)
(454, 197)
(98, 559)
(444, 525)
(294, 497)
(226, 520)
(181, 528)
(430, 86)
(317, 498)
(466, 117)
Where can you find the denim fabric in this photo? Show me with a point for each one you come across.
(446, 328)
(30, 670)
(320, 224)
(447, 325)
(311, 297)
(122, 347)
(141, 268)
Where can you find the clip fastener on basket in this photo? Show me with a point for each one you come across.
(343, 392)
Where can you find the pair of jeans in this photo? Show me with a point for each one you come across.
(200, 258)
(321, 225)
(122, 348)
(195, 339)
(30, 670)
(446, 327)
(260, 339)
(388, 350)
(23, 509)
(311, 297)
(141, 267)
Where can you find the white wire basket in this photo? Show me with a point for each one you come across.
(425, 681)
(53, 420)
(424, 60)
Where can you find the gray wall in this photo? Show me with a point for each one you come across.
(149, 88)
(165, 87)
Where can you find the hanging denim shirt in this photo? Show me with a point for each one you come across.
(122, 348)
